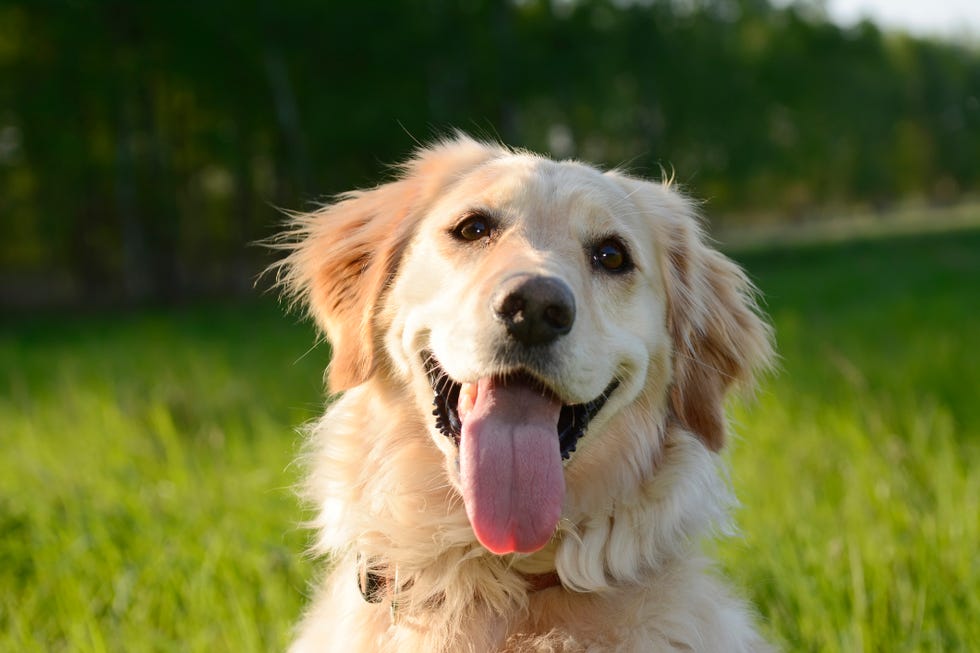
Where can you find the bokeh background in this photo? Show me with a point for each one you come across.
(145, 145)
(149, 385)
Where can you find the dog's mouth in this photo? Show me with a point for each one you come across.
(573, 419)
(512, 433)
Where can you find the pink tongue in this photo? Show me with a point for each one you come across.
(510, 466)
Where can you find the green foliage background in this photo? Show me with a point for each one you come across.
(144, 144)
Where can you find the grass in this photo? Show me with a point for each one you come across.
(145, 475)
(859, 467)
(144, 483)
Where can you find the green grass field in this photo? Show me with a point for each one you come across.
(145, 500)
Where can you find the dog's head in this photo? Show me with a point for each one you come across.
(532, 309)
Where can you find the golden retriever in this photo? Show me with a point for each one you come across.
(533, 358)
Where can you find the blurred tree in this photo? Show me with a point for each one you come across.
(144, 144)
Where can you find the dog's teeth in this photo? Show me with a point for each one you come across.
(467, 399)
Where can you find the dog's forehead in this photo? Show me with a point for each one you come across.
(536, 188)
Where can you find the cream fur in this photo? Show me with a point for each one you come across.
(382, 278)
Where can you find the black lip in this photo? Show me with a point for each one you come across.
(573, 420)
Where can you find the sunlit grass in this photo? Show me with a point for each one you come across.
(859, 465)
(145, 500)
(144, 483)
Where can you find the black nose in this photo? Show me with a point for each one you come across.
(536, 310)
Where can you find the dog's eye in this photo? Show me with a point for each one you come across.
(612, 256)
(473, 227)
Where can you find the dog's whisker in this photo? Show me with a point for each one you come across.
(316, 343)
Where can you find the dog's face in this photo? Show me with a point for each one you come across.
(531, 309)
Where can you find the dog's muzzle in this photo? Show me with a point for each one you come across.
(573, 419)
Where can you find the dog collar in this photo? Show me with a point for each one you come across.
(376, 587)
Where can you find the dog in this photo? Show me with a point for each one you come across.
(530, 359)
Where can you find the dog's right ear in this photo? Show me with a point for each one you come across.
(343, 256)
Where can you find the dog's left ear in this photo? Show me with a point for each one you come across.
(719, 336)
